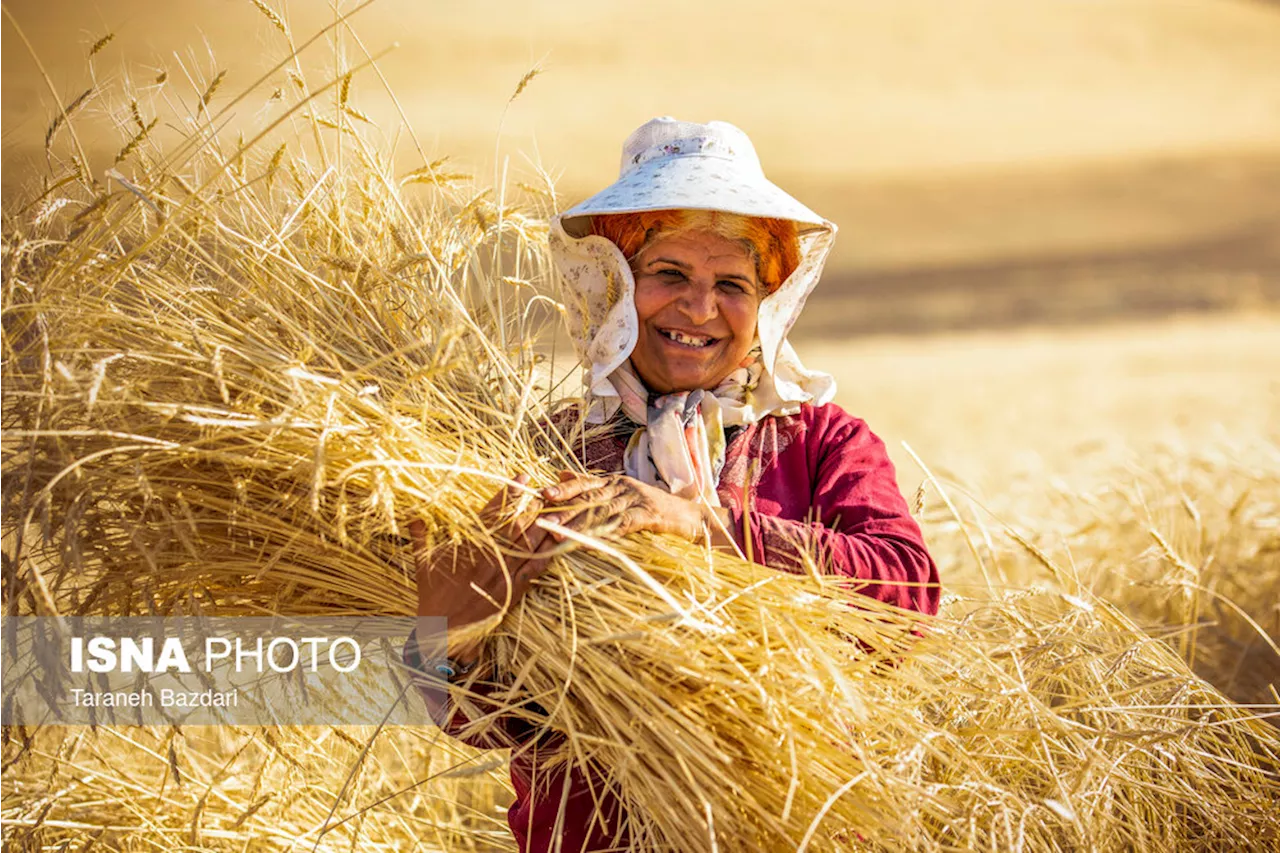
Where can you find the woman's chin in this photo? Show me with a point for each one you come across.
(682, 369)
(692, 380)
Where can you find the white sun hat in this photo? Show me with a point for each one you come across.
(669, 164)
(673, 165)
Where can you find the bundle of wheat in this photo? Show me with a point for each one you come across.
(230, 383)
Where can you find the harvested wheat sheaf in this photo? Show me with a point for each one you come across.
(231, 379)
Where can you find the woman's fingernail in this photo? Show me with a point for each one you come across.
(553, 518)
(551, 492)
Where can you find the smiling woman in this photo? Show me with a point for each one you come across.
(699, 278)
(682, 280)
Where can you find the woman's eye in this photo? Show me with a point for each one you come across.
(732, 286)
(672, 274)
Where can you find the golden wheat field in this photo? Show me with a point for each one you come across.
(252, 326)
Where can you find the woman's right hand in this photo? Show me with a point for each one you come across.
(450, 575)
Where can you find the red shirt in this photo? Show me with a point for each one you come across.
(819, 477)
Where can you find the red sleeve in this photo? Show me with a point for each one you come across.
(863, 529)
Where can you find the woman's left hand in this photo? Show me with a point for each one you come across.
(623, 505)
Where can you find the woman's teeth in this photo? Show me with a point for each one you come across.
(687, 340)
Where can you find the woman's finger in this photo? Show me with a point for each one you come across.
(619, 504)
(635, 519)
(606, 491)
(505, 497)
(496, 507)
(515, 529)
(510, 513)
(570, 489)
(418, 533)
(531, 542)
(543, 544)
(605, 503)
(418, 547)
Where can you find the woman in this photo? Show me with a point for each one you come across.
(683, 280)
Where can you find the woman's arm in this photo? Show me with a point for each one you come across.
(861, 527)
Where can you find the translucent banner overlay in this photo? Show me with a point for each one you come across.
(216, 670)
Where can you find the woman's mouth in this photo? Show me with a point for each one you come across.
(686, 339)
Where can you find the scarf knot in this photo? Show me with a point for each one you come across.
(679, 444)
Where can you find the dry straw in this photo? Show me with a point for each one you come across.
(236, 407)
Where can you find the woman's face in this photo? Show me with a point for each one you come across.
(697, 298)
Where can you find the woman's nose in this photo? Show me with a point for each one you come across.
(698, 303)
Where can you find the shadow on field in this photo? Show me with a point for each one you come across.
(1230, 272)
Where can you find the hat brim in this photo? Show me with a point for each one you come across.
(691, 182)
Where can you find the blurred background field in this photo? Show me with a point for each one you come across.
(1057, 278)
(1125, 153)
(993, 165)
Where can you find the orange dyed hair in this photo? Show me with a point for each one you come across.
(773, 243)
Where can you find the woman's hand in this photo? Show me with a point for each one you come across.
(622, 505)
(468, 582)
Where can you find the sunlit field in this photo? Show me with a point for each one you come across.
(1064, 407)
(1144, 457)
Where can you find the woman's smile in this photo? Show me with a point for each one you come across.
(697, 298)
(690, 340)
